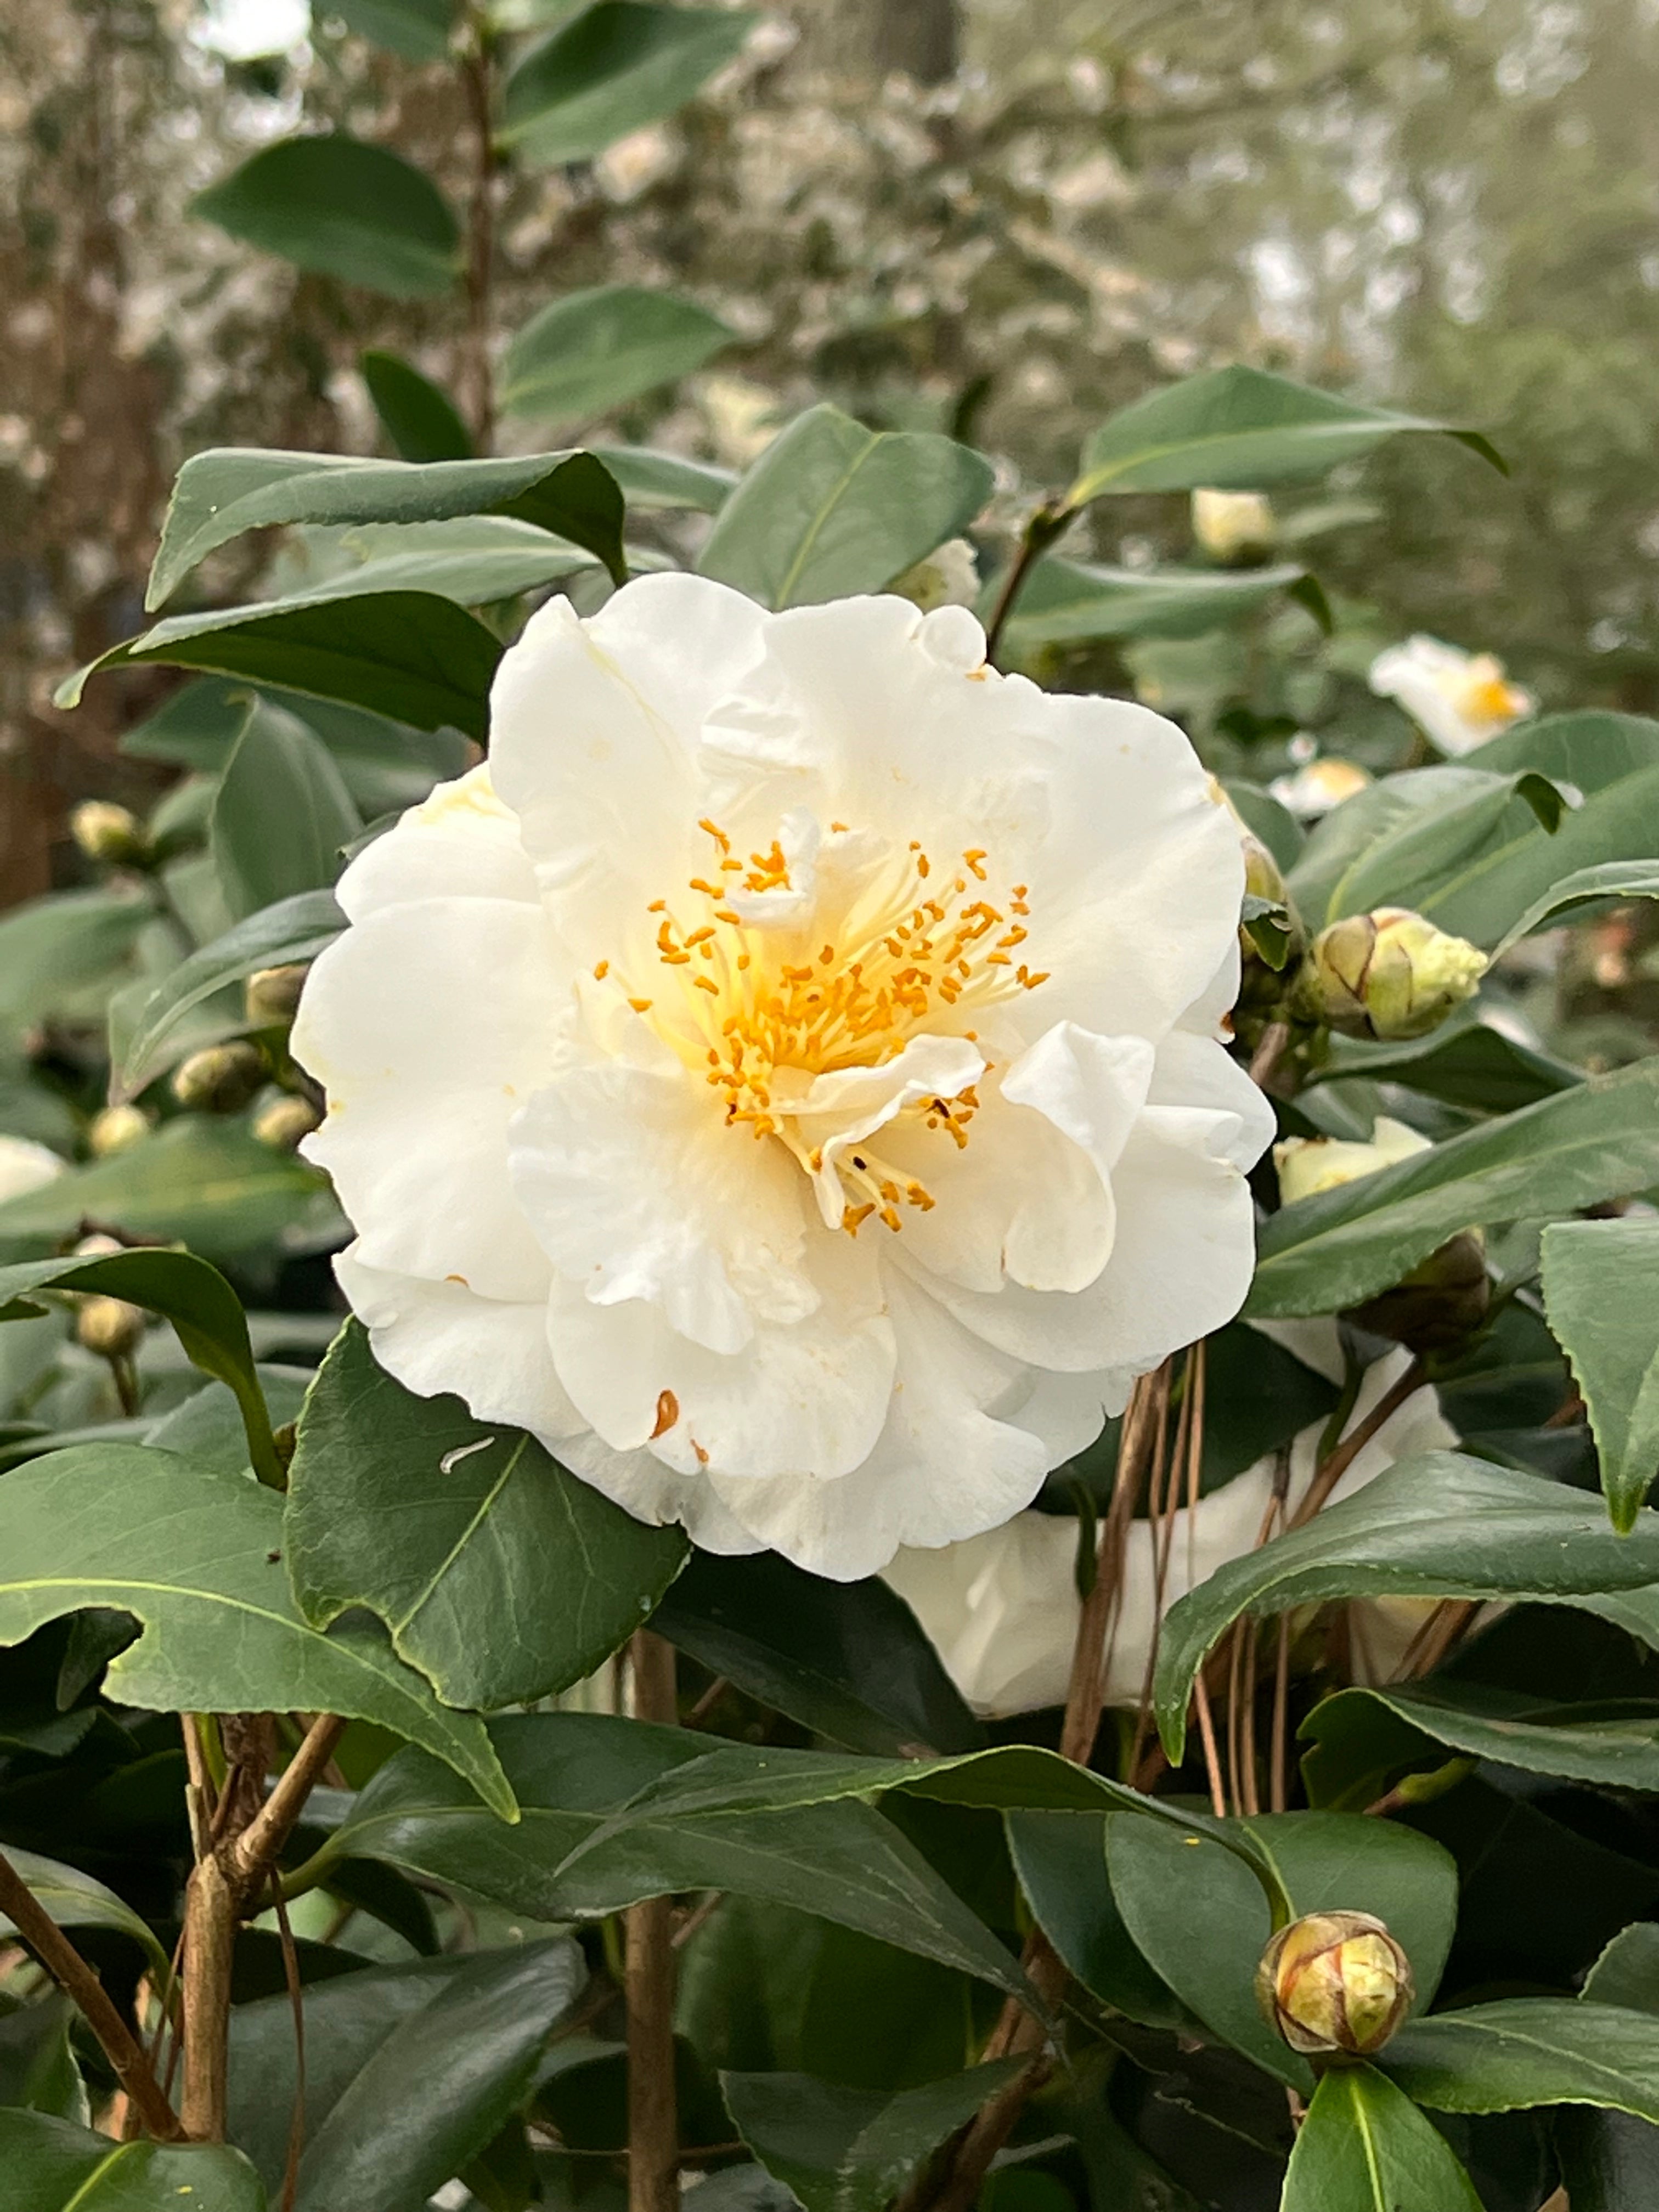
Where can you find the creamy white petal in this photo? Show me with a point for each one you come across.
(460, 842)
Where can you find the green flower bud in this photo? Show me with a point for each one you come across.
(271, 995)
(1387, 975)
(110, 1327)
(1235, 526)
(1442, 1301)
(109, 834)
(117, 1129)
(1334, 1982)
(221, 1079)
(282, 1123)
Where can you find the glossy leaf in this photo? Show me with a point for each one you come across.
(654, 479)
(419, 30)
(65, 948)
(1237, 427)
(288, 931)
(852, 2150)
(1072, 602)
(1441, 1525)
(1611, 879)
(500, 1575)
(1522, 2051)
(1609, 2162)
(207, 1426)
(1061, 1860)
(53, 2165)
(846, 1659)
(419, 419)
(592, 351)
(572, 1772)
(204, 1311)
(477, 560)
(339, 208)
(281, 815)
(1615, 1748)
(1601, 1282)
(620, 65)
(1598, 1141)
(228, 490)
(198, 1181)
(832, 509)
(439, 2088)
(1628, 1972)
(1465, 1062)
(1201, 1922)
(1364, 2147)
(196, 1556)
(75, 1899)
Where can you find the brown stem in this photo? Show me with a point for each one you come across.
(261, 1842)
(1336, 1464)
(477, 83)
(296, 2124)
(209, 1942)
(1264, 1060)
(648, 1930)
(1051, 519)
(1085, 1694)
(78, 1981)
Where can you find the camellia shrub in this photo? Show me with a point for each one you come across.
(787, 1408)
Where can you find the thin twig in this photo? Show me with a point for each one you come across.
(1336, 1463)
(261, 1842)
(1278, 1786)
(1264, 1060)
(1050, 521)
(77, 1978)
(652, 2118)
(296, 2124)
(1212, 1760)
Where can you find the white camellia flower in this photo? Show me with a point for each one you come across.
(787, 1080)
(1461, 699)
(26, 1166)
(1318, 785)
(1002, 1609)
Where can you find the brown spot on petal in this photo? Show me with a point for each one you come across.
(668, 1412)
(703, 1456)
(461, 1279)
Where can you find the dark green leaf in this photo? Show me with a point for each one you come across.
(37, 2065)
(1601, 1293)
(1628, 1972)
(1522, 2051)
(1363, 2148)
(1441, 1525)
(442, 2083)
(405, 654)
(73, 1900)
(620, 65)
(1609, 2162)
(652, 479)
(207, 1426)
(1069, 603)
(1598, 1141)
(1617, 1747)
(593, 351)
(419, 418)
(1201, 1922)
(65, 949)
(845, 1659)
(196, 1556)
(341, 208)
(1061, 1860)
(51, 2166)
(477, 560)
(291, 930)
(198, 1181)
(419, 30)
(232, 489)
(1610, 879)
(1465, 1061)
(852, 2150)
(500, 1575)
(832, 509)
(1235, 427)
(281, 814)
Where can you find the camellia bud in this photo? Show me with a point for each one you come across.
(271, 995)
(282, 1123)
(110, 1327)
(1235, 526)
(1334, 1982)
(221, 1079)
(947, 577)
(109, 834)
(117, 1129)
(1390, 974)
(1440, 1304)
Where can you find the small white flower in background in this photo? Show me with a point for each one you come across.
(1316, 788)
(1001, 1609)
(787, 1080)
(1307, 1164)
(948, 577)
(1234, 526)
(26, 1166)
(743, 418)
(1460, 698)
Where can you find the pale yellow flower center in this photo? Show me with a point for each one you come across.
(1484, 693)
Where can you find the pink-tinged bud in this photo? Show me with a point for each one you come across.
(1334, 1982)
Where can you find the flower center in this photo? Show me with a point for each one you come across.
(761, 1010)
(1485, 696)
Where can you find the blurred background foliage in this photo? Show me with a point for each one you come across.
(991, 216)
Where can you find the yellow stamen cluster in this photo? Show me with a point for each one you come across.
(918, 953)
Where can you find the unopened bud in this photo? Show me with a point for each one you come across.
(271, 995)
(117, 1129)
(110, 1327)
(1334, 1982)
(1236, 526)
(109, 834)
(1308, 1165)
(947, 577)
(100, 1245)
(1440, 1304)
(282, 1123)
(221, 1079)
(1390, 974)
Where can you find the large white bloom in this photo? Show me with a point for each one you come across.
(1002, 1608)
(788, 1080)
(1462, 699)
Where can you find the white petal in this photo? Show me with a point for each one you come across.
(428, 1026)
(836, 1112)
(460, 842)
